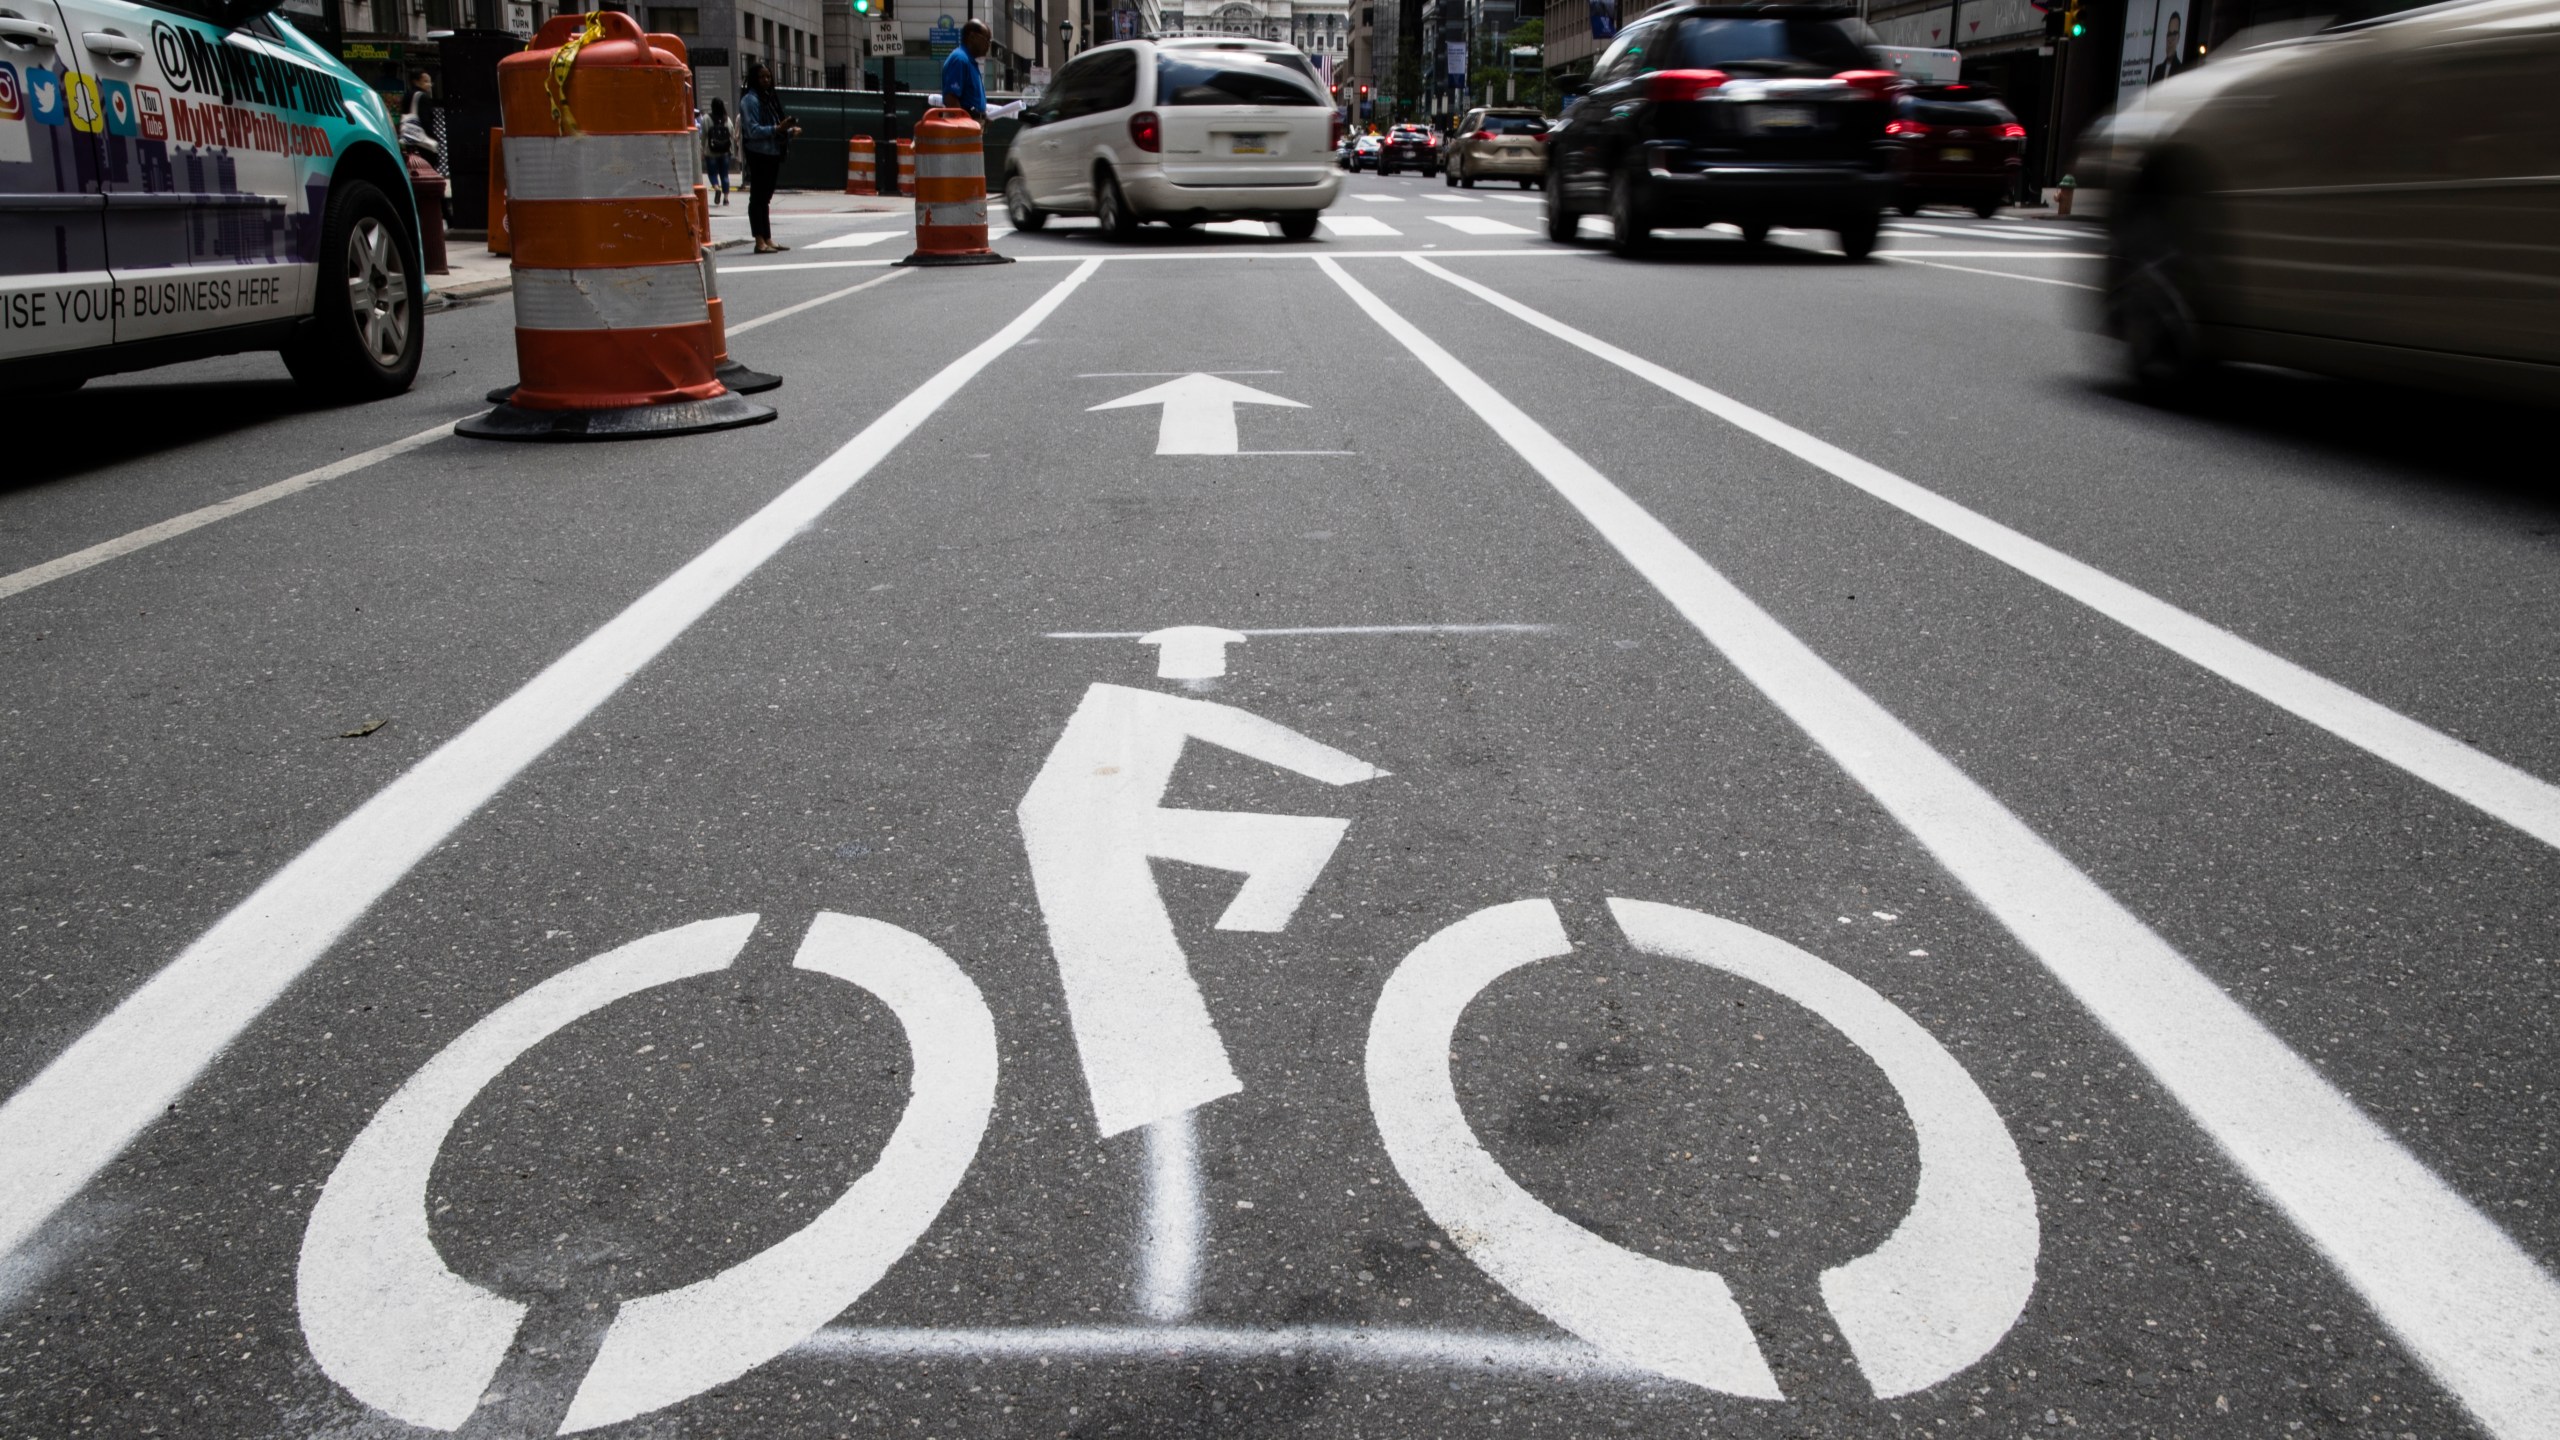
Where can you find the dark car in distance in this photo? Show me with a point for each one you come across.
(1960, 146)
(1756, 115)
(1409, 147)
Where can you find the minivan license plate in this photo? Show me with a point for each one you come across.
(1784, 117)
(1251, 145)
(1956, 155)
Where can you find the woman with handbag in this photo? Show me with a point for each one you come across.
(768, 135)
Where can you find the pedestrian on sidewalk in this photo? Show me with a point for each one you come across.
(963, 87)
(717, 142)
(768, 139)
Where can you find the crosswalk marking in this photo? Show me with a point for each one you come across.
(1254, 228)
(1479, 225)
(1360, 225)
(1381, 199)
(859, 237)
(1521, 199)
(1983, 232)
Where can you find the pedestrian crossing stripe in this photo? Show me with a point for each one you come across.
(1480, 225)
(1360, 225)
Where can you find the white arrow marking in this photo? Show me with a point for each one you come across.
(1191, 652)
(1199, 412)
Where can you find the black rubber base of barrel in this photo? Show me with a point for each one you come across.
(737, 377)
(638, 422)
(990, 258)
(745, 381)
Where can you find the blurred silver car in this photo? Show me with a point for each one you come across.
(2378, 199)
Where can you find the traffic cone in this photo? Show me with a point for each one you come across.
(951, 192)
(616, 336)
(861, 165)
(906, 167)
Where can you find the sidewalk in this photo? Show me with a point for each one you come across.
(473, 271)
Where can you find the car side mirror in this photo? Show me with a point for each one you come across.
(1029, 118)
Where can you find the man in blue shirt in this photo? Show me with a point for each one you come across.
(963, 88)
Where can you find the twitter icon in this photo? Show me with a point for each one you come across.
(44, 97)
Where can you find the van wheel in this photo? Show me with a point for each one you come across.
(1298, 225)
(1563, 221)
(1987, 208)
(1633, 233)
(1858, 237)
(1017, 204)
(366, 332)
(2165, 345)
(1111, 209)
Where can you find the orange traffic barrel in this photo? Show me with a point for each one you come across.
(497, 192)
(951, 192)
(861, 163)
(906, 167)
(615, 332)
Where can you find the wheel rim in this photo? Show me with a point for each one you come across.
(377, 292)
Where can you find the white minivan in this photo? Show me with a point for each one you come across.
(1183, 134)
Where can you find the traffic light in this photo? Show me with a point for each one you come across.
(2071, 25)
(861, 7)
(1364, 91)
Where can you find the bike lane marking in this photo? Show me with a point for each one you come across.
(2476, 1310)
(81, 1111)
(2486, 783)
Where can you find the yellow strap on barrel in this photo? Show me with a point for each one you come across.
(558, 81)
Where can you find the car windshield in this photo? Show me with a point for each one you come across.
(1763, 47)
(1229, 77)
(1514, 125)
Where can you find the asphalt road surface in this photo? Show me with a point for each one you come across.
(1421, 833)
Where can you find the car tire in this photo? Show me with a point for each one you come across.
(1755, 233)
(1907, 207)
(1466, 181)
(1858, 237)
(2152, 305)
(366, 333)
(1298, 225)
(1449, 178)
(1632, 232)
(1017, 204)
(1111, 209)
(1385, 169)
(1564, 223)
(1987, 208)
(1527, 183)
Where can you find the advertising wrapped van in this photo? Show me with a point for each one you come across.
(180, 180)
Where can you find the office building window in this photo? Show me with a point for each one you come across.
(682, 20)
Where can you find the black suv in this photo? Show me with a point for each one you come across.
(1759, 115)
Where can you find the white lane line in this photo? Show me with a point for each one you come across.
(18, 582)
(1393, 1347)
(69, 1122)
(1480, 225)
(732, 272)
(1978, 232)
(2473, 1307)
(858, 238)
(2491, 785)
(787, 311)
(1358, 225)
(1497, 629)
(1238, 253)
(1520, 199)
(1997, 254)
(1381, 199)
(1909, 259)
(1169, 1258)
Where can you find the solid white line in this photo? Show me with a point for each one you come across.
(80, 1111)
(787, 311)
(1324, 630)
(1480, 225)
(732, 272)
(855, 240)
(1169, 1255)
(2467, 1301)
(1997, 274)
(1994, 255)
(2496, 788)
(1359, 226)
(727, 274)
(1476, 1352)
(21, 581)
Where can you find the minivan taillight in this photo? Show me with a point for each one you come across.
(1146, 131)
(1905, 129)
(1682, 84)
(1879, 83)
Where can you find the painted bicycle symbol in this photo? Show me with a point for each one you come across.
(388, 1320)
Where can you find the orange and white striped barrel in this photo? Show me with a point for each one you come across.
(860, 167)
(951, 191)
(906, 167)
(613, 293)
